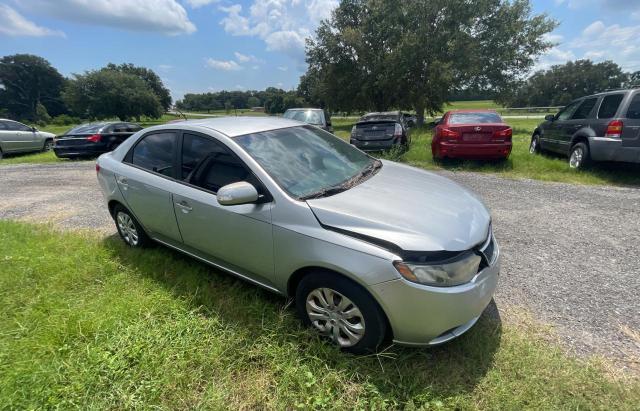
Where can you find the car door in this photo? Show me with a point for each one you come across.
(631, 127)
(147, 184)
(580, 118)
(237, 237)
(19, 137)
(551, 136)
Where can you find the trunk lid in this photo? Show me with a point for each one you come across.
(374, 130)
(478, 133)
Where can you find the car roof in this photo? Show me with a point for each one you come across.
(239, 126)
(304, 108)
(470, 110)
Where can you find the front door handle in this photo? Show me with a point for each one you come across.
(184, 206)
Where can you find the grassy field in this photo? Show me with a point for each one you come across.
(89, 323)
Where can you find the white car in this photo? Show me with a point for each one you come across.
(16, 137)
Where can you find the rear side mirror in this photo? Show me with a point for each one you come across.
(237, 193)
(549, 117)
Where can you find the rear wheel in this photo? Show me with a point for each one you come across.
(342, 311)
(130, 231)
(1, 154)
(579, 158)
(534, 147)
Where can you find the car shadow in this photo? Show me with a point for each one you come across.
(452, 368)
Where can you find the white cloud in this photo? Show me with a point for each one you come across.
(199, 3)
(225, 65)
(598, 42)
(283, 68)
(282, 24)
(165, 67)
(163, 16)
(246, 58)
(14, 24)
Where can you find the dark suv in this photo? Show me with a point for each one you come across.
(601, 127)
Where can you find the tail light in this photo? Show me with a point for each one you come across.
(97, 168)
(505, 134)
(397, 132)
(448, 133)
(614, 129)
(94, 138)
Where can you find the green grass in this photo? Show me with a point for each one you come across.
(88, 323)
(520, 164)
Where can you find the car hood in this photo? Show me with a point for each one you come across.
(46, 134)
(410, 208)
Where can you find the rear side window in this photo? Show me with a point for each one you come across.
(584, 109)
(155, 152)
(634, 108)
(3, 125)
(474, 118)
(210, 165)
(87, 128)
(609, 106)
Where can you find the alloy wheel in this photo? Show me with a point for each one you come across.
(335, 316)
(534, 146)
(48, 146)
(127, 228)
(575, 161)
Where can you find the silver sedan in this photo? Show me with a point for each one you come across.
(371, 250)
(16, 137)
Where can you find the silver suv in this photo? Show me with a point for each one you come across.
(601, 127)
(369, 249)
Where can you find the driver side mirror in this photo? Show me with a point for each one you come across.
(437, 121)
(237, 193)
(550, 117)
(34, 129)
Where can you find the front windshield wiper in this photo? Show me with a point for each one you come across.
(347, 184)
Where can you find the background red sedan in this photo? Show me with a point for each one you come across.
(471, 134)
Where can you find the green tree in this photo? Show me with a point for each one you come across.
(378, 54)
(563, 83)
(253, 101)
(110, 93)
(149, 77)
(27, 81)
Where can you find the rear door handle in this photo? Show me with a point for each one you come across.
(123, 182)
(184, 206)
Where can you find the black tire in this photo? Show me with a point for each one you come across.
(1, 154)
(48, 145)
(579, 156)
(373, 319)
(534, 146)
(131, 232)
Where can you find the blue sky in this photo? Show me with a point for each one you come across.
(207, 45)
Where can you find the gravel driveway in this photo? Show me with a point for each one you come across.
(570, 252)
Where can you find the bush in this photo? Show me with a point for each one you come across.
(42, 116)
(65, 120)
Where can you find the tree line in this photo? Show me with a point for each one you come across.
(32, 89)
(274, 100)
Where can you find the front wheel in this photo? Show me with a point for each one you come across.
(579, 158)
(48, 145)
(342, 311)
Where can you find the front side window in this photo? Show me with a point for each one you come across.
(155, 152)
(634, 108)
(305, 161)
(585, 108)
(609, 106)
(210, 165)
(567, 112)
(474, 118)
(15, 126)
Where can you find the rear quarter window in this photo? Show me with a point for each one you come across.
(609, 105)
(633, 112)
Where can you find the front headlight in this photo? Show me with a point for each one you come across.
(448, 273)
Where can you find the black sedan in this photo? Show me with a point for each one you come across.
(91, 140)
(380, 131)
